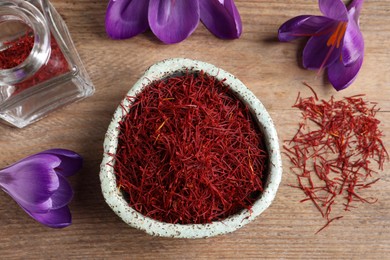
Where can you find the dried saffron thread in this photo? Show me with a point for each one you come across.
(17, 51)
(334, 151)
(189, 151)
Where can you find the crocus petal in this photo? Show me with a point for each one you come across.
(172, 21)
(126, 18)
(341, 76)
(60, 198)
(353, 47)
(58, 218)
(63, 195)
(233, 11)
(317, 55)
(31, 180)
(334, 9)
(42, 207)
(301, 26)
(221, 18)
(354, 9)
(71, 162)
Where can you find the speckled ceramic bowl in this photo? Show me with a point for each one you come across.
(135, 219)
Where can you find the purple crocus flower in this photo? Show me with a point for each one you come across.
(172, 21)
(38, 184)
(335, 43)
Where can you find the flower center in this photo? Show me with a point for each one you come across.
(337, 35)
(334, 41)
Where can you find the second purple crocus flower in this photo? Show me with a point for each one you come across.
(38, 184)
(335, 42)
(172, 21)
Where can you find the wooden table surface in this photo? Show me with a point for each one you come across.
(271, 70)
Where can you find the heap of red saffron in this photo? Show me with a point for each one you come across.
(16, 52)
(189, 151)
(334, 152)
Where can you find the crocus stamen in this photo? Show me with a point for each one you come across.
(337, 35)
(341, 34)
(334, 41)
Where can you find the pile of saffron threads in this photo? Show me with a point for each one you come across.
(189, 151)
(17, 51)
(334, 152)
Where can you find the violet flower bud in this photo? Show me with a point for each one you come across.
(38, 184)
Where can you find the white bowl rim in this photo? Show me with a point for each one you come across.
(113, 196)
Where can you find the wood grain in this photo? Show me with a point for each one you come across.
(271, 70)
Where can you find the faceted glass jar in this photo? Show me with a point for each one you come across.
(50, 75)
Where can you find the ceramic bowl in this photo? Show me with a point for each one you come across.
(117, 202)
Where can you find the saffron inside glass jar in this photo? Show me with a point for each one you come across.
(40, 69)
(189, 151)
(17, 51)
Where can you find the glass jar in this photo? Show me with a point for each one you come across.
(40, 69)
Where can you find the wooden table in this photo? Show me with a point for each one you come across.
(271, 70)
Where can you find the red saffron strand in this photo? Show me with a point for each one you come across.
(189, 151)
(328, 223)
(335, 149)
(312, 90)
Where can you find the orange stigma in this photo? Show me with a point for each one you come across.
(337, 35)
(334, 42)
